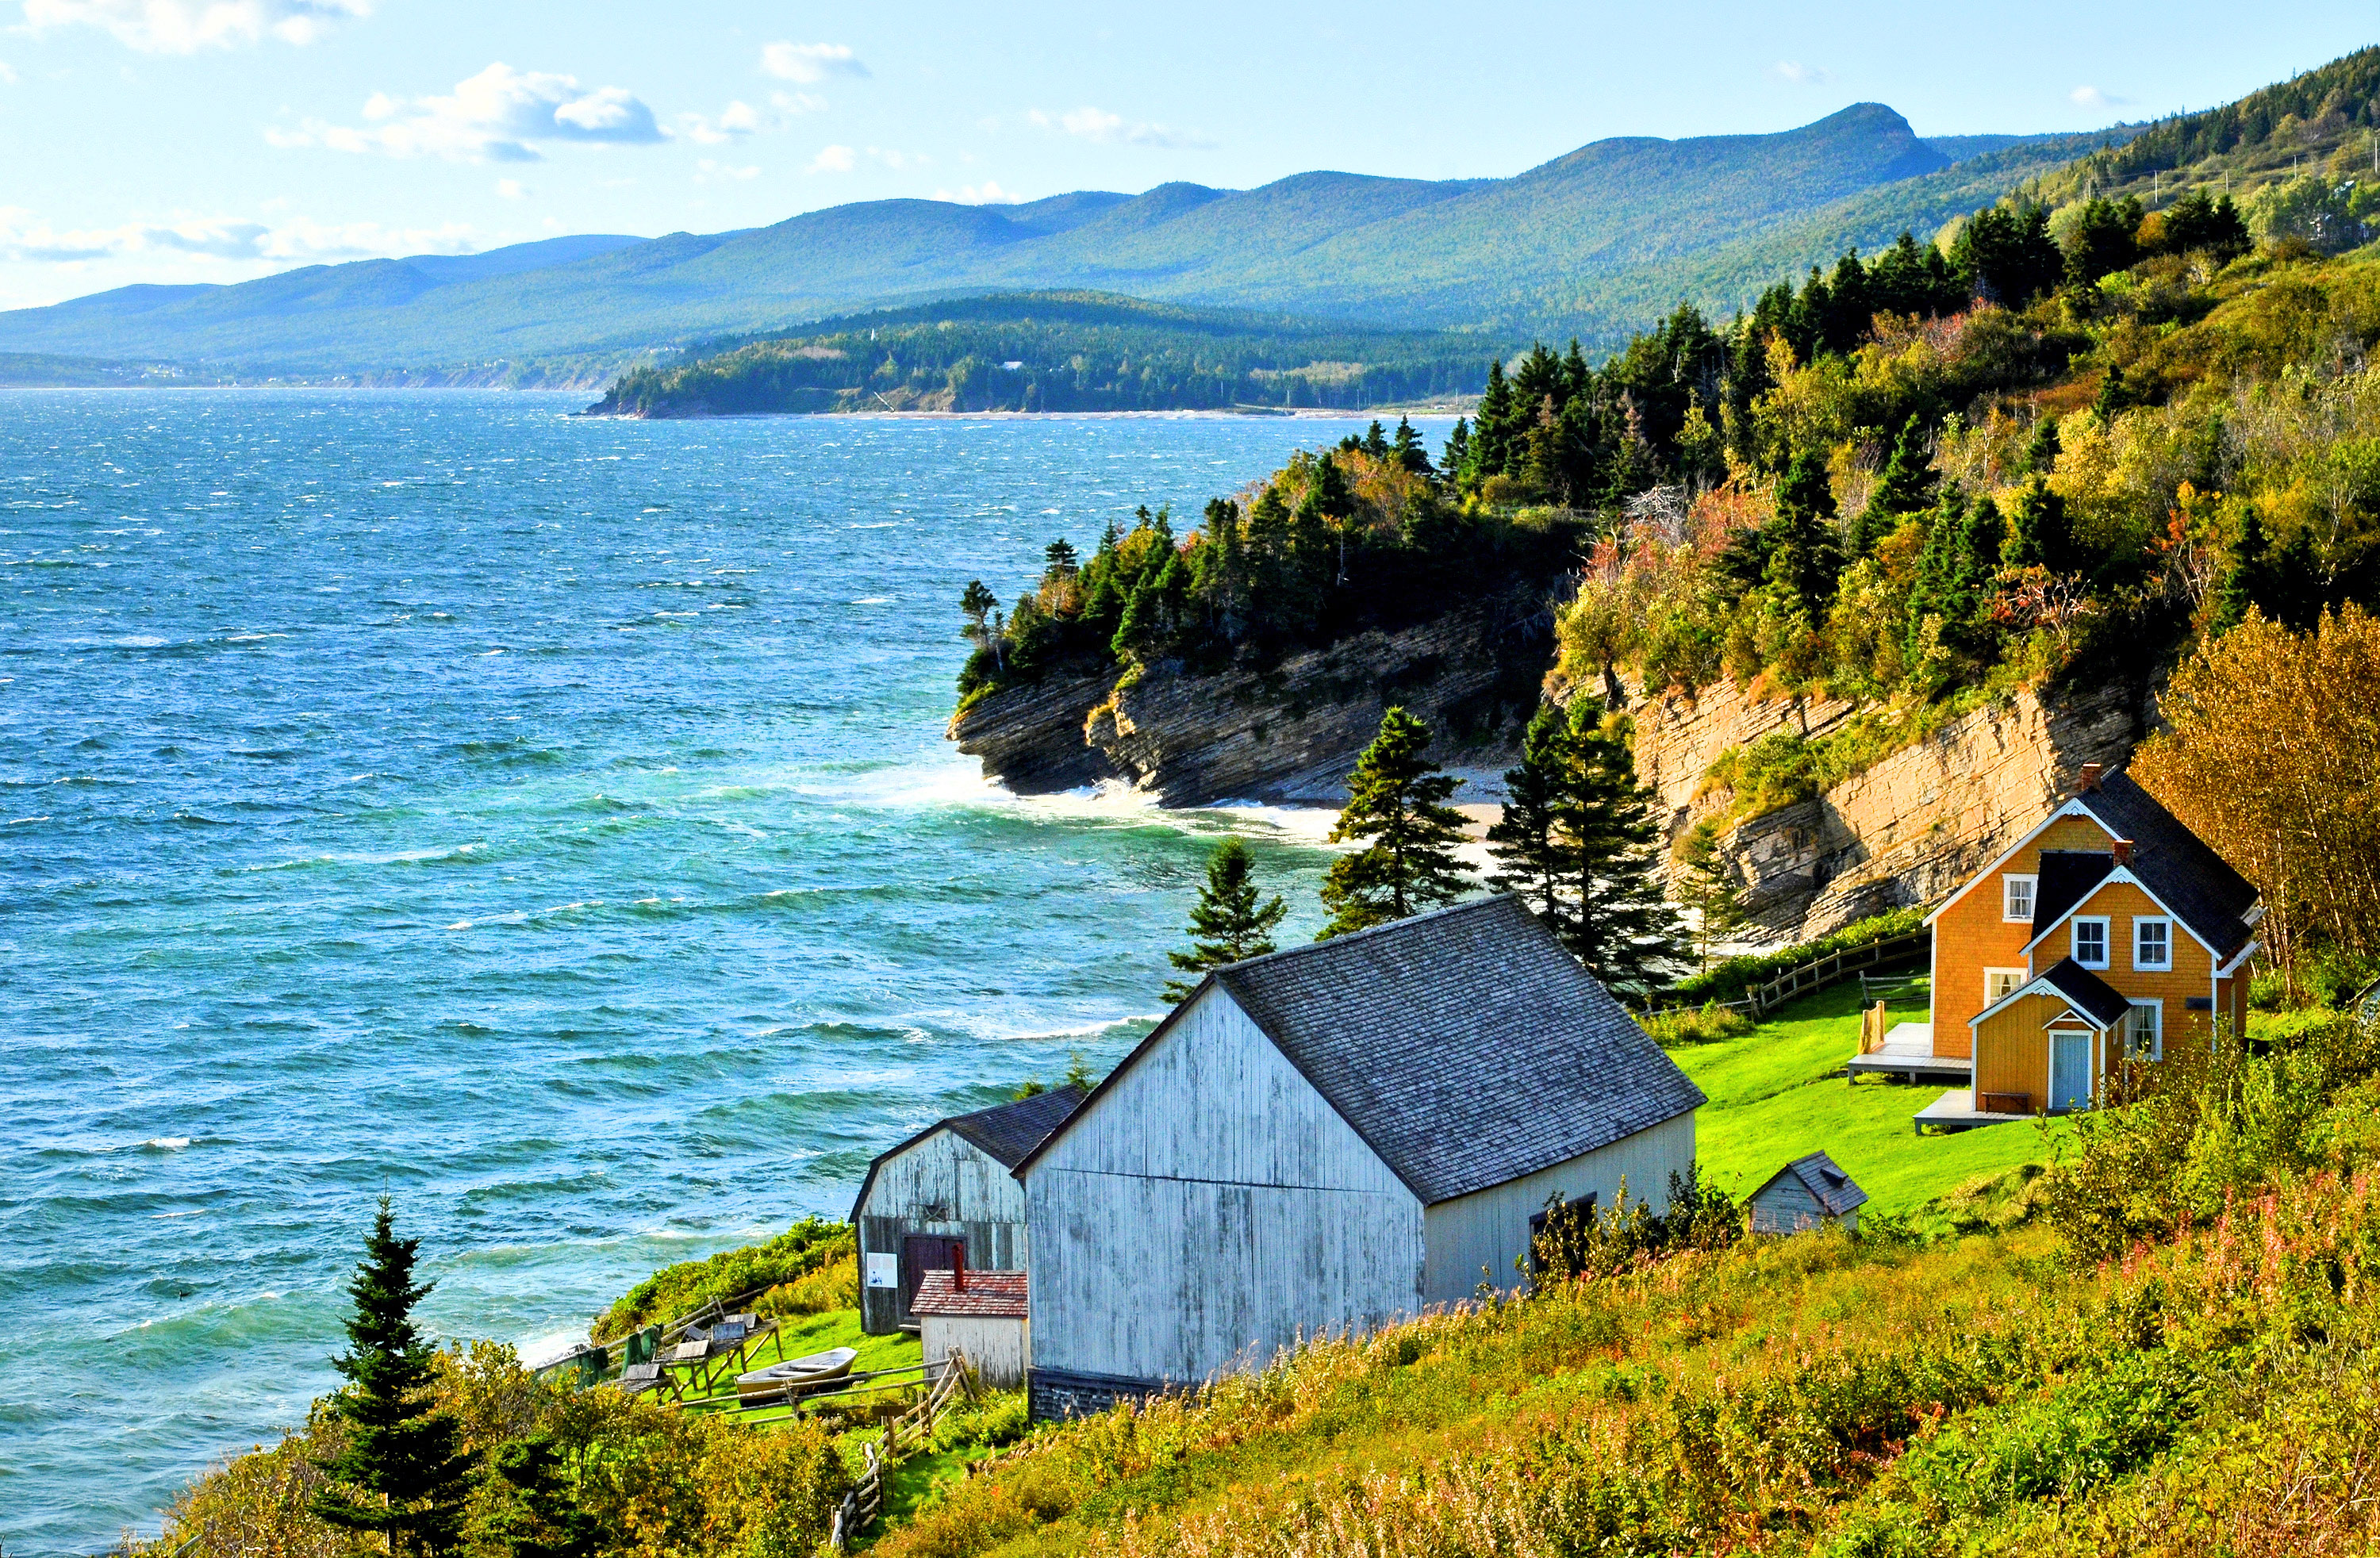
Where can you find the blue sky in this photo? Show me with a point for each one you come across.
(213, 140)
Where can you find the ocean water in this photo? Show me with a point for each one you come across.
(545, 820)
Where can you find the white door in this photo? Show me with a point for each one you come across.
(2070, 1069)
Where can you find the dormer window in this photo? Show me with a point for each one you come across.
(2090, 946)
(2016, 898)
(2151, 944)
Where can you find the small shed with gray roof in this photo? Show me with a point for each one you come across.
(1326, 1139)
(946, 1195)
(1806, 1193)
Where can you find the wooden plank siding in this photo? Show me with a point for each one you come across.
(1786, 1205)
(1970, 935)
(1205, 1208)
(974, 1199)
(2012, 1049)
(2191, 978)
(1490, 1228)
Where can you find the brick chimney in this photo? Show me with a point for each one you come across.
(2123, 851)
(2089, 778)
(958, 1269)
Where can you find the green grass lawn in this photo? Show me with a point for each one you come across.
(1771, 1102)
(804, 1334)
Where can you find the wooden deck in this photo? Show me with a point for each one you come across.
(1956, 1111)
(1907, 1053)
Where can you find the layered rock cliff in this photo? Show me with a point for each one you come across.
(1905, 831)
(1285, 734)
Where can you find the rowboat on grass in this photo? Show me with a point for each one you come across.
(801, 1374)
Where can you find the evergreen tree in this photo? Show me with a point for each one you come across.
(1802, 552)
(1229, 924)
(2039, 534)
(522, 1507)
(1493, 434)
(1527, 841)
(1905, 487)
(1407, 447)
(402, 1472)
(1622, 931)
(1396, 803)
(1704, 883)
(2041, 450)
(1457, 457)
(980, 606)
(2237, 588)
(2115, 395)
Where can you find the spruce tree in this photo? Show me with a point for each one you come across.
(1396, 803)
(1622, 931)
(402, 1472)
(1527, 841)
(523, 1507)
(1905, 487)
(1703, 884)
(1229, 924)
(1407, 447)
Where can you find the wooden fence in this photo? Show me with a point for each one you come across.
(865, 1503)
(1820, 972)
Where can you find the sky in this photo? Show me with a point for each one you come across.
(216, 141)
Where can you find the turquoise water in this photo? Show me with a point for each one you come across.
(547, 821)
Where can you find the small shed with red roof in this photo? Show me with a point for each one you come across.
(981, 1314)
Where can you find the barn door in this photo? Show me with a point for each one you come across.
(921, 1253)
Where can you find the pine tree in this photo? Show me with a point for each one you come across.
(1229, 924)
(1905, 487)
(1622, 931)
(1493, 434)
(523, 1508)
(402, 1472)
(1527, 841)
(1407, 447)
(1396, 801)
(2039, 534)
(1704, 883)
(1457, 457)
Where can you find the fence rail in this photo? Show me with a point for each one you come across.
(1820, 972)
(865, 1503)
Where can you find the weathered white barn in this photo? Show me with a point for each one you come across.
(1331, 1137)
(944, 1195)
(981, 1314)
(1806, 1193)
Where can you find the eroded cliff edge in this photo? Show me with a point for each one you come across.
(1284, 735)
(1906, 830)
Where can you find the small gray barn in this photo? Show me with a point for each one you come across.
(1806, 1193)
(947, 1191)
(1331, 1137)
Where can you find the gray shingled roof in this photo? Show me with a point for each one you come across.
(1007, 1131)
(2186, 877)
(2097, 999)
(1464, 1046)
(2065, 878)
(1824, 1178)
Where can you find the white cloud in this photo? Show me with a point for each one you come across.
(845, 159)
(797, 103)
(182, 27)
(25, 238)
(987, 193)
(2092, 97)
(1800, 75)
(512, 188)
(500, 114)
(835, 158)
(736, 121)
(1098, 124)
(710, 172)
(810, 63)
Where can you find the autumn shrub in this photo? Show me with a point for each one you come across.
(1706, 1024)
(257, 1503)
(832, 1286)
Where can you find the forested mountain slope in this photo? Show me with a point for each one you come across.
(1575, 246)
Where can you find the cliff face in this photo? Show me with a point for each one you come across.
(1909, 829)
(1288, 734)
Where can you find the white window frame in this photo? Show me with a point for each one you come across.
(2016, 982)
(2163, 922)
(2075, 939)
(2154, 1006)
(2008, 897)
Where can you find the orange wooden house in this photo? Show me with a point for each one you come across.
(2109, 931)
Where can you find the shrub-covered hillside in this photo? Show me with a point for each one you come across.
(2184, 1357)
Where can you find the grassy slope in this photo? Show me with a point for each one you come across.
(1771, 1102)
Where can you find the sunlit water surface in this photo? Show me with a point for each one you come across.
(546, 821)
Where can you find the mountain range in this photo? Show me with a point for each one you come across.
(1588, 244)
